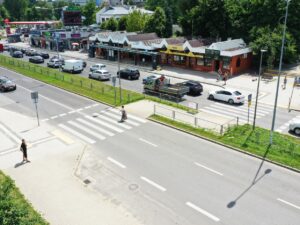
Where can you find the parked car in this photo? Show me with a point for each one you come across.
(30, 52)
(36, 59)
(129, 73)
(42, 54)
(97, 66)
(54, 63)
(72, 66)
(17, 54)
(23, 50)
(295, 127)
(6, 47)
(151, 77)
(6, 84)
(100, 75)
(226, 95)
(195, 88)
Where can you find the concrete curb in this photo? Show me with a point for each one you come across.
(227, 146)
(76, 170)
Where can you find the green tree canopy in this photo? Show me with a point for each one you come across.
(135, 21)
(3, 14)
(156, 22)
(89, 12)
(122, 23)
(112, 24)
(16, 9)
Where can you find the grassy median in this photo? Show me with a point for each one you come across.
(14, 209)
(284, 150)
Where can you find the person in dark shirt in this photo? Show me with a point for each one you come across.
(23, 149)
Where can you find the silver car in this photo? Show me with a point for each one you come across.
(100, 75)
(97, 67)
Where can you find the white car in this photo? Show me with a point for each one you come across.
(100, 75)
(226, 95)
(97, 67)
(295, 127)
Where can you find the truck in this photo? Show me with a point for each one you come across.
(72, 66)
(161, 85)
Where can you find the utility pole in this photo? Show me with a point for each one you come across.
(120, 88)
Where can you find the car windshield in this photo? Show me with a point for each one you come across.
(237, 93)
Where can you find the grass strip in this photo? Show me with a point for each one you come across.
(90, 88)
(14, 209)
(284, 150)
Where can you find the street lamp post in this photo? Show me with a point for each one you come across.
(279, 72)
(120, 88)
(257, 89)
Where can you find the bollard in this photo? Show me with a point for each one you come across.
(237, 120)
(196, 122)
(80, 83)
(91, 85)
(221, 130)
(173, 114)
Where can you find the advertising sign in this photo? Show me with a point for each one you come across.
(72, 18)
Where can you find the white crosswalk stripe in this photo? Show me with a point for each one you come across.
(98, 127)
(286, 125)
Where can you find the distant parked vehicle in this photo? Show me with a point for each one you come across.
(6, 84)
(55, 63)
(42, 54)
(129, 73)
(17, 54)
(97, 66)
(6, 47)
(195, 88)
(23, 50)
(295, 127)
(100, 75)
(30, 52)
(36, 59)
(72, 66)
(226, 95)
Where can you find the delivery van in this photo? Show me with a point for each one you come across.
(72, 66)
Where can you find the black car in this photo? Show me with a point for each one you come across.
(23, 50)
(7, 85)
(42, 54)
(129, 73)
(36, 59)
(17, 54)
(195, 87)
(6, 48)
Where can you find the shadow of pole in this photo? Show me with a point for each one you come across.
(261, 164)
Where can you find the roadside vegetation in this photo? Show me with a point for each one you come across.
(284, 150)
(14, 209)
(81, 85)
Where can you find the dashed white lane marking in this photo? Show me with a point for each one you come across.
(148, 142)
(10, 134)
(80, 109)
(44, 120)
(84, 138)
(288, 203)
(85, 129)
(116, 162)
(95, 127)
(153, 184)
(63, 114)
(198, 209)
(119, 117)
(130, 116)
(71, 112)
(104, 124)
(53, 117)
(88, 107)
(207, 168)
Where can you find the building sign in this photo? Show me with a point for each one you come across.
(75, 35)
(175, 47)
(72, 18)
(212, 54)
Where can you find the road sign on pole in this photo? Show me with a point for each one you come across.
(114, 80)
(35, 98)
(249, 104)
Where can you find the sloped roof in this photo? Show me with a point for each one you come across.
(175, 41)
(229, 44)
(142, 37)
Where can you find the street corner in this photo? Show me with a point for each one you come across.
(143, 108)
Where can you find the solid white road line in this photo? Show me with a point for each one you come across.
(129, 116)
(209, 215)
(148, 142)
(10, 134)
(85, 129)
(53, 117)
(207, 168)
(288, 203)
(104, 124)
(95, 127)
(80, 109)
(116, 162)
(63, 114)
(84, 138)
(153, 184)
(112, 121)
(118, 117)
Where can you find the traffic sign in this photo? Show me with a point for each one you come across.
(114, 79)
(35, 96)
(249, 97)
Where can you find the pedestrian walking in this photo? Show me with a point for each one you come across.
(225, 78)
(284, 83)
(123, 114)
(23, 149)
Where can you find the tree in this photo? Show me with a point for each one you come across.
(111, 24)
(122, 23)
(103, 25)
(135, 21)
(57, 7)
(169, 23)
(16, 9)
(156, 23)
(89, 11)
(3, 14)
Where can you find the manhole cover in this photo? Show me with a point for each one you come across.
(87, 181)
(133, 187)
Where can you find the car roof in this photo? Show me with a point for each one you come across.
(102, 70)
(98, 64)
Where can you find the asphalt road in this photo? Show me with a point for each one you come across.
(162, 175)
(264, 112)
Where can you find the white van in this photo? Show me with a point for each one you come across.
(72, 66)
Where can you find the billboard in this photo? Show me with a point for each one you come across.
(72, 18)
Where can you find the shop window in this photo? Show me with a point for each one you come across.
(226, 62)
(179, 59)
(200, 62)
(238, 63)
(207, 62)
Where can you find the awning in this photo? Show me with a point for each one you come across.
(75, 44)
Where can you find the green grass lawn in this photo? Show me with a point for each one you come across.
(14, 209)
(285, 149)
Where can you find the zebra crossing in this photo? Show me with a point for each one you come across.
(99, 126)
(233, 111)
(286, 125)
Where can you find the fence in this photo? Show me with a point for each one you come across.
(194, 120)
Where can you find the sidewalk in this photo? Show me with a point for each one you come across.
(49, 180)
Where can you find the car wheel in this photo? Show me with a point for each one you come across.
(90, 76)
(230, 101)
(297, 131)
(211, 97)
(129, 77)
